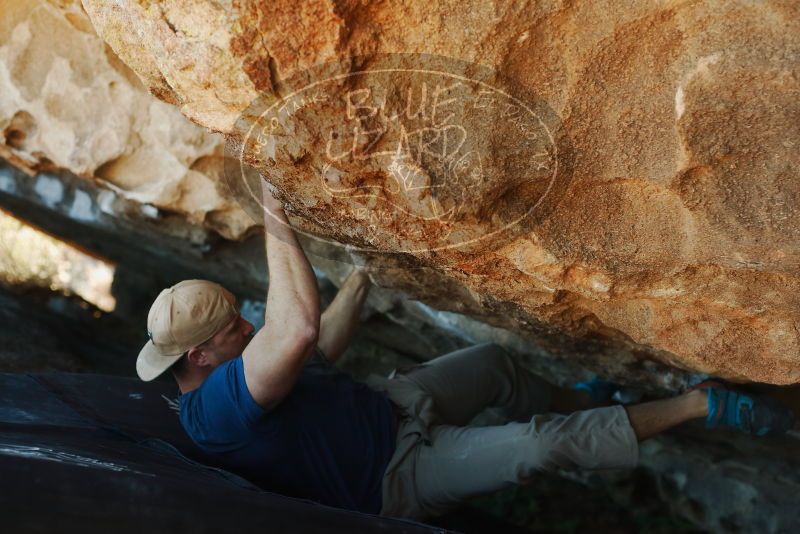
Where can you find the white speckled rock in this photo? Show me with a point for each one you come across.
(69, 102)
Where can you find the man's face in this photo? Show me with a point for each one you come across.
(231, 340)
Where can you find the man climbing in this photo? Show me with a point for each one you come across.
(271, 406)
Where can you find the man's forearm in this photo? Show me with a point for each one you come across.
(293, 296)
(339, 321)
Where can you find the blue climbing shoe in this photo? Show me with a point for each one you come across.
(757, 415)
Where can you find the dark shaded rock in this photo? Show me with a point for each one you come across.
(93, 453)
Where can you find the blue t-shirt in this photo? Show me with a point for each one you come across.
(329, 440)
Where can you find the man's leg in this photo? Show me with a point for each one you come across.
(452, 390)
(465, 382)
(466, 462)
(651, 418)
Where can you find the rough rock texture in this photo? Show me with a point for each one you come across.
(679, 116)
(676, 235)
(687, 259)
(153, 251)
(69, 102)
(120, 198)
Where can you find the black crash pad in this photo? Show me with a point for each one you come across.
(92, 453)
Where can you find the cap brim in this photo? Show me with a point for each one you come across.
(152, 363)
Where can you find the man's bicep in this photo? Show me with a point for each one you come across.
(272, 364)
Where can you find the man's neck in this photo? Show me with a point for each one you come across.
(191, 381)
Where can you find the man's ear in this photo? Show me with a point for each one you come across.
(198, 357)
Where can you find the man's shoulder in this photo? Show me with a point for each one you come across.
(215, 384)
(217, 406)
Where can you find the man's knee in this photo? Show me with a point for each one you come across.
(592, 439)
(496, 354)
(501, 361)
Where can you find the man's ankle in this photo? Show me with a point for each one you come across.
(697, 403)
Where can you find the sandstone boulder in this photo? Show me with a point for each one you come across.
(660, 222)
(678, 229)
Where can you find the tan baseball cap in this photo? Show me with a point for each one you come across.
(182, 316)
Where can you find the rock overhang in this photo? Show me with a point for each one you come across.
(675, 236)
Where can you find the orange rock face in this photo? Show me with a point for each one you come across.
(625, 174)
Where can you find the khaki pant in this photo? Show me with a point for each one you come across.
(442, 458)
